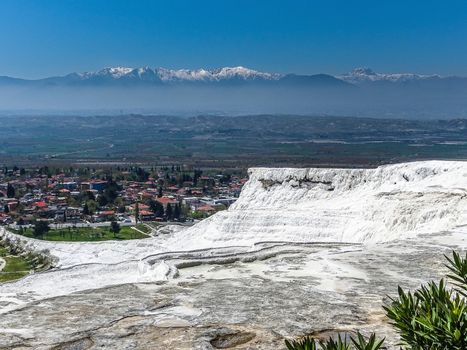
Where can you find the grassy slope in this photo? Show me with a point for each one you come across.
(16, 266)
(89, 234)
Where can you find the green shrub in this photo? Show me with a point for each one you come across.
(361, 343)
(434, 317)
(307, 343)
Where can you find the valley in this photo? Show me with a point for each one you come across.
(227, 142)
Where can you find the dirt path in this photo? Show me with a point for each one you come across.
(144, 233)
(2, 264)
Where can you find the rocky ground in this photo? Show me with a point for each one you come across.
(270, 267)
(250, 304)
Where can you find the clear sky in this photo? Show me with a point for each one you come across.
(52, 37)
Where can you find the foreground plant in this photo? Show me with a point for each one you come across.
(307, 343)
(434, 317)
(361, 343)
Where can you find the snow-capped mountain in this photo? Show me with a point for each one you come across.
(225, 73)
(242, 90)
(365, 75)
(161, 75)
(182, 75)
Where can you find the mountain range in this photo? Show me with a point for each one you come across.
(145, 75)
(239, 90)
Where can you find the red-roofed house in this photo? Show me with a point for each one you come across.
(165, 201)
(39, 204)
(207, 209)
(146, 215)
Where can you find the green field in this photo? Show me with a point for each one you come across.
(15, 268)
(88, 234)
(228, 142)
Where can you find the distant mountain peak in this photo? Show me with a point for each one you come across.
(364, 74)
(363, 71)
(180, 75)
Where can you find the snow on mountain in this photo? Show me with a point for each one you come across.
(243, 73)
(339, 205)
(163, 75)
(363, 75)
(181, 75)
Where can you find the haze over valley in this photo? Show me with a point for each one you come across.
(238, 90)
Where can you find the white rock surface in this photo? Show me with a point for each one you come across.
(339, 205)
(304, 241)
(369, 206)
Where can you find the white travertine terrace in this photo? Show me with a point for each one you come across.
(303, 241)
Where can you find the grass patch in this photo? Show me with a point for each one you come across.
(11, 276)
(16, 266)
(87, 234)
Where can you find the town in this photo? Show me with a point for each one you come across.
(112, 199)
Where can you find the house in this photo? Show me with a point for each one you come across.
(146, 215)
(5, 219)
(39, 204)
(207, 209)
(68, 214)
(172, 189)
(166, 201)
(97, 185)
(225, 201)
(106, 215)
(70, 185)
(141, 207)
(64, 192)
(11, 203)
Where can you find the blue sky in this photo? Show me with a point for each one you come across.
(52, 37)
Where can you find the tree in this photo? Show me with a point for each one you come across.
(136, 212)
(115, 228)
(156, 208)
(177, 211)
(92, 206)
(40, 228)
(169, 212)
(85, 209)
(91, 196)
(102, 200)
(110, 192)
(10, 191)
